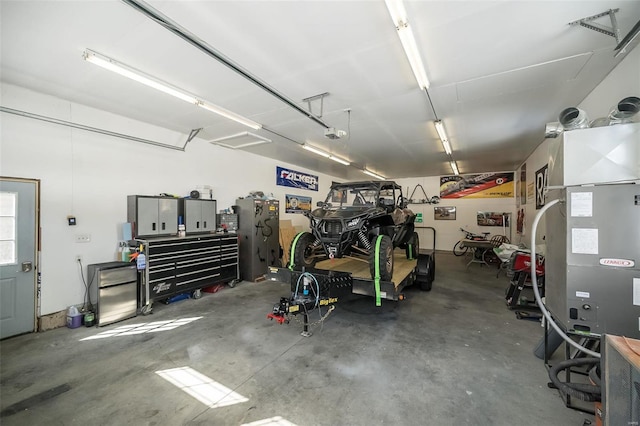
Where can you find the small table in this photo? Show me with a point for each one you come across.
(478, 247)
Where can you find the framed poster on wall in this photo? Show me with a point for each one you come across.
(444, 213)
(493, 218)
(297, 203)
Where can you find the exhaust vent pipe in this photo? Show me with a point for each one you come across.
(626, 110)
(573, 118)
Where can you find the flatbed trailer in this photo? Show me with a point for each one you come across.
(334, 279)
(406, 271)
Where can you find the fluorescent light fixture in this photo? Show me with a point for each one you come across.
(447, 146)
(325, 154)
(399, 17)
(134, 74)
(316, 151)
(370, 173)
(139, 76)
(454, 167)
(228, 114)
(339, 160)
(443, 136)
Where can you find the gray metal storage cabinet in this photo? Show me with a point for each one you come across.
(259, 232)
(199, 215)
(153, 216)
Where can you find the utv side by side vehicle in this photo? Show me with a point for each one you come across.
(365, 220)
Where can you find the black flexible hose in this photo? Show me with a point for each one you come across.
(584, 392)
(594, 375)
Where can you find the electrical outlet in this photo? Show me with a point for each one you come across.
(78, 258)
(83, 238)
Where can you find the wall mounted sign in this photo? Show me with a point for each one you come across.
(531, 189)
(294, 179)
(541, 184)
(419, 218)
(444, 213)
(483, 185)
(297, 203)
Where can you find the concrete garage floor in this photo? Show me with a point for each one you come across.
(454, 356)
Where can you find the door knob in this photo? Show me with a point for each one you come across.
(27, 266)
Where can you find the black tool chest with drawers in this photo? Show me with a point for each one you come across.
(177, 265)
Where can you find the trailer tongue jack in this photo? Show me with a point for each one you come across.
(311, 291)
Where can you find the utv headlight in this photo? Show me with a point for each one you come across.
(353, 223)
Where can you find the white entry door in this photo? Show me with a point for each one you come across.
(17, 256)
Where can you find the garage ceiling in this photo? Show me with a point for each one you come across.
(499, 71)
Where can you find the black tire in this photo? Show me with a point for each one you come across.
(302, 253)
(384, 259)
(460, 249)
(432, 267)
(413, 247)
(426, 272)
(425, 285)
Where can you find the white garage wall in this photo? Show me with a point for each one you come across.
(622, 81)
(448, 231)
(89, 175)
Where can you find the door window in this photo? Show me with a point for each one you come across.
(8, 240)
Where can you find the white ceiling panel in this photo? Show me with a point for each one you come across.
(499, 71)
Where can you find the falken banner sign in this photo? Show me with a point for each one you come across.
(293, 179)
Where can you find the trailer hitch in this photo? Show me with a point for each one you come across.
(280, 311)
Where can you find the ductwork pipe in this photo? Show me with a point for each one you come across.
(626, 111)
(573, 118)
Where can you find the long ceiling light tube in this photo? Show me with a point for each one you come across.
(443, 136)
(229, 114)
(370, 173)
(340, 160)
(408, 41)
(136, 75)
(454, 167)
(316, 151)
(324, 154)
(200, 44)
(141, 77)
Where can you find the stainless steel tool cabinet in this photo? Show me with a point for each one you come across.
(114, 286)
(177, 265)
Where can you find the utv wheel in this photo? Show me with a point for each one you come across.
(302, 251)
(384, 258)
(413, 247)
